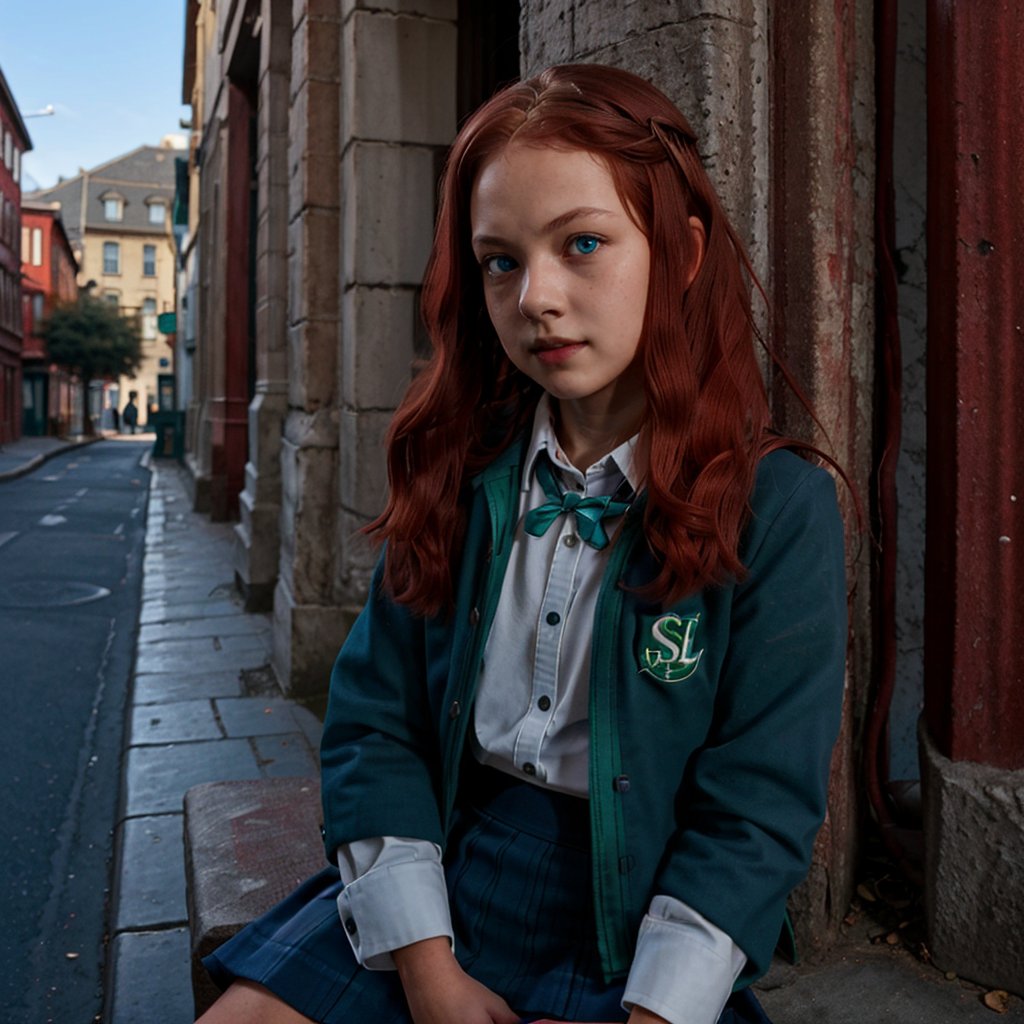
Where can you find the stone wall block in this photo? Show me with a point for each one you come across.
(272, 107)
(315, 181)
(271, 268)
(312, 355)
(316, 50)
(308, 474)
(399, 79)
(271, 320)
(377, 347)
(358, 556)
(974, 835)
(546, 31)
(313, 265)
(314, 120)
(445, 10)
(306, 642)
(389, 213)
(324, 9)
(363, 471)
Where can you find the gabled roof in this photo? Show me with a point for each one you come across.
(141, 177)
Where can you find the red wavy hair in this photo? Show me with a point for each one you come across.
(706, 420)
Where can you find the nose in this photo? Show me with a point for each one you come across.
(541, 294)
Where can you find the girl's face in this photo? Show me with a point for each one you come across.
(565, 273)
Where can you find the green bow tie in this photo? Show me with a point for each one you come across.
(588, 511)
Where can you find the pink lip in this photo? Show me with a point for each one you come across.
(553, 351)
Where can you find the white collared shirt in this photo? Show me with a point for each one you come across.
(531, 720)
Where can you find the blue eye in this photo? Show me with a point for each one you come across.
(585, 244)
(496, 265)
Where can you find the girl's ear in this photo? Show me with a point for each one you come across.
(699, 238)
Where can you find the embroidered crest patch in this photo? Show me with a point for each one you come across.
(666, 647)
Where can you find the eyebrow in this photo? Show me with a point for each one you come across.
(560, 221)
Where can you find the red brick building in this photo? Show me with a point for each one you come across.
(14, 141)
(48, 272)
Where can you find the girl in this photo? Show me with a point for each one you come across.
(577, 744)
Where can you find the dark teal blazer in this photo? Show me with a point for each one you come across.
(712, 721)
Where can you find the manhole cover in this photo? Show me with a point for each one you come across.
(49, 594)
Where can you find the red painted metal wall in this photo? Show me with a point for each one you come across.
(974, 613)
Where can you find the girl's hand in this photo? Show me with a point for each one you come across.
(439, 991)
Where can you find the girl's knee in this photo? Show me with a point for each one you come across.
(247, 1001)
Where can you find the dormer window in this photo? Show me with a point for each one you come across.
(113, 207)
(157, 212)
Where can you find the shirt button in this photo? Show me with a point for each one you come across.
(544, 703)
(474, 616)
(553, 618)
(350, 926)
(529, 768)
(455, 710)
(570, 540)
(621, 783)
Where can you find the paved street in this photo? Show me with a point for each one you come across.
(71, 542)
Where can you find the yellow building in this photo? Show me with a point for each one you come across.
(118, 219)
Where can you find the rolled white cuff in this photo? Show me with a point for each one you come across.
(684, 967)
(399, 899)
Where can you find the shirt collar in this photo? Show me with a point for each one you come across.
(624, 458)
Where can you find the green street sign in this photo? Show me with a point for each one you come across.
(167, 323)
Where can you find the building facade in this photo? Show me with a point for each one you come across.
(318, 129)
(118, 219)
(49, 273)
(14, 143)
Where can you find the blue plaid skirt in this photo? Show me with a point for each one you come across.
(518, 871)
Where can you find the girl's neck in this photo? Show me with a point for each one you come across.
(587, 434)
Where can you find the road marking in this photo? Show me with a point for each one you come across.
(119, 529)
(82, 493)
(52, 520)
(5, 537)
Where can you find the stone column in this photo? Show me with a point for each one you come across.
(972, 748)
(306, 621)
(398, 114)
(257, 543)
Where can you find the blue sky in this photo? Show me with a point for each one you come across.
(111, 69)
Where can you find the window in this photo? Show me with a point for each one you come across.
(37, 307)
(111, 258)
(149, 260)
(114, 298)
(157, 213)
(113, 208)
(149, 319)
(37, 247)
(17, 166)
(8, 149)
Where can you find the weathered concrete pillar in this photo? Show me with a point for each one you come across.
(306, 623)
(257, 535)
(973, 736)
(823, 293)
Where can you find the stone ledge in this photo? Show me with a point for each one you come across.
(974, 884)
(248, 844)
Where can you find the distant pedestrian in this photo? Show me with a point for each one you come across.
(131, 413)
